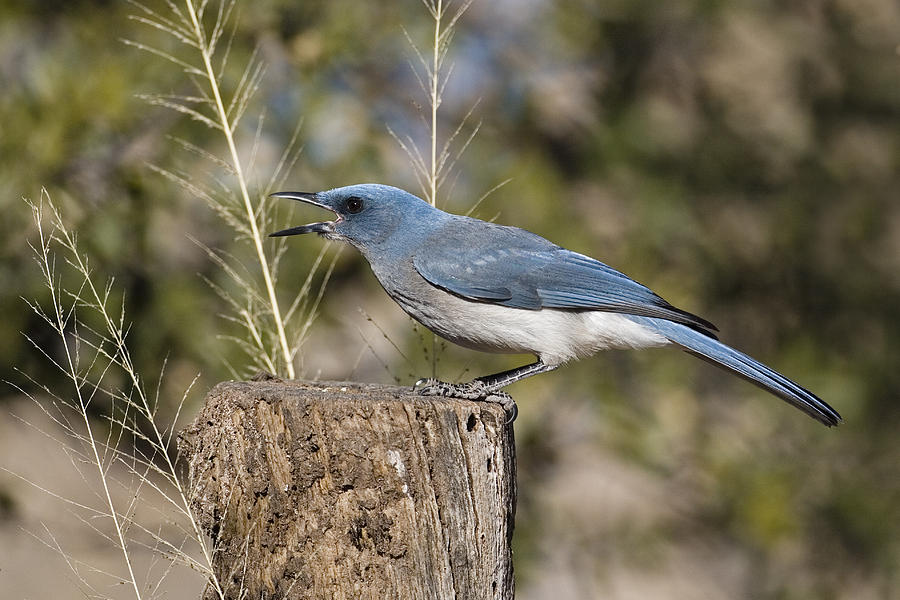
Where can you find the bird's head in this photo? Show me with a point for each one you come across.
(367, 213)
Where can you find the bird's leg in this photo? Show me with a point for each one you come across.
(494, 382)
(485, 388)
(480, 388)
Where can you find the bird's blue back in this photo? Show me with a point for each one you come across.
(516, 268)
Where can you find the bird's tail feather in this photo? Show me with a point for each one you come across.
(744, 366)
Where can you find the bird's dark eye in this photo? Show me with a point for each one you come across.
(354, 205)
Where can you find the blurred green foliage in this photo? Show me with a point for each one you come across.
(743, 159)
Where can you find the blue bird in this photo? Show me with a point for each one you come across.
(503, 289)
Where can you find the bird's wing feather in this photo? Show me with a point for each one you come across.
(516, 268)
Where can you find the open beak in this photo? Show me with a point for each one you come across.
(309, 198)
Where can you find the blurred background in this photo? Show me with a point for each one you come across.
(742, 159)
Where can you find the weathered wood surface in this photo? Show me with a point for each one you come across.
(342, 490)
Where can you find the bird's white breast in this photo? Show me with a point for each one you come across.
(555, 336)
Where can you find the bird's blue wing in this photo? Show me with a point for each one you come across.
(516, 268)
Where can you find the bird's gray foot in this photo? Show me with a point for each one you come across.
(472, 390)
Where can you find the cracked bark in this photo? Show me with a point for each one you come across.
(344, 490)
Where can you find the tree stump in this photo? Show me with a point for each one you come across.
(343, 490)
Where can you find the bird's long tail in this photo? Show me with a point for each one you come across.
(740, 364)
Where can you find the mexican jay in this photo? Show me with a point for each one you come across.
(503, 289)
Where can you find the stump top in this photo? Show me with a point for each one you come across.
(350, 395)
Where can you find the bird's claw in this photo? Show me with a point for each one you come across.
(472, 390)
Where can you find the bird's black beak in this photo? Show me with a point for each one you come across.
(324, 227)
